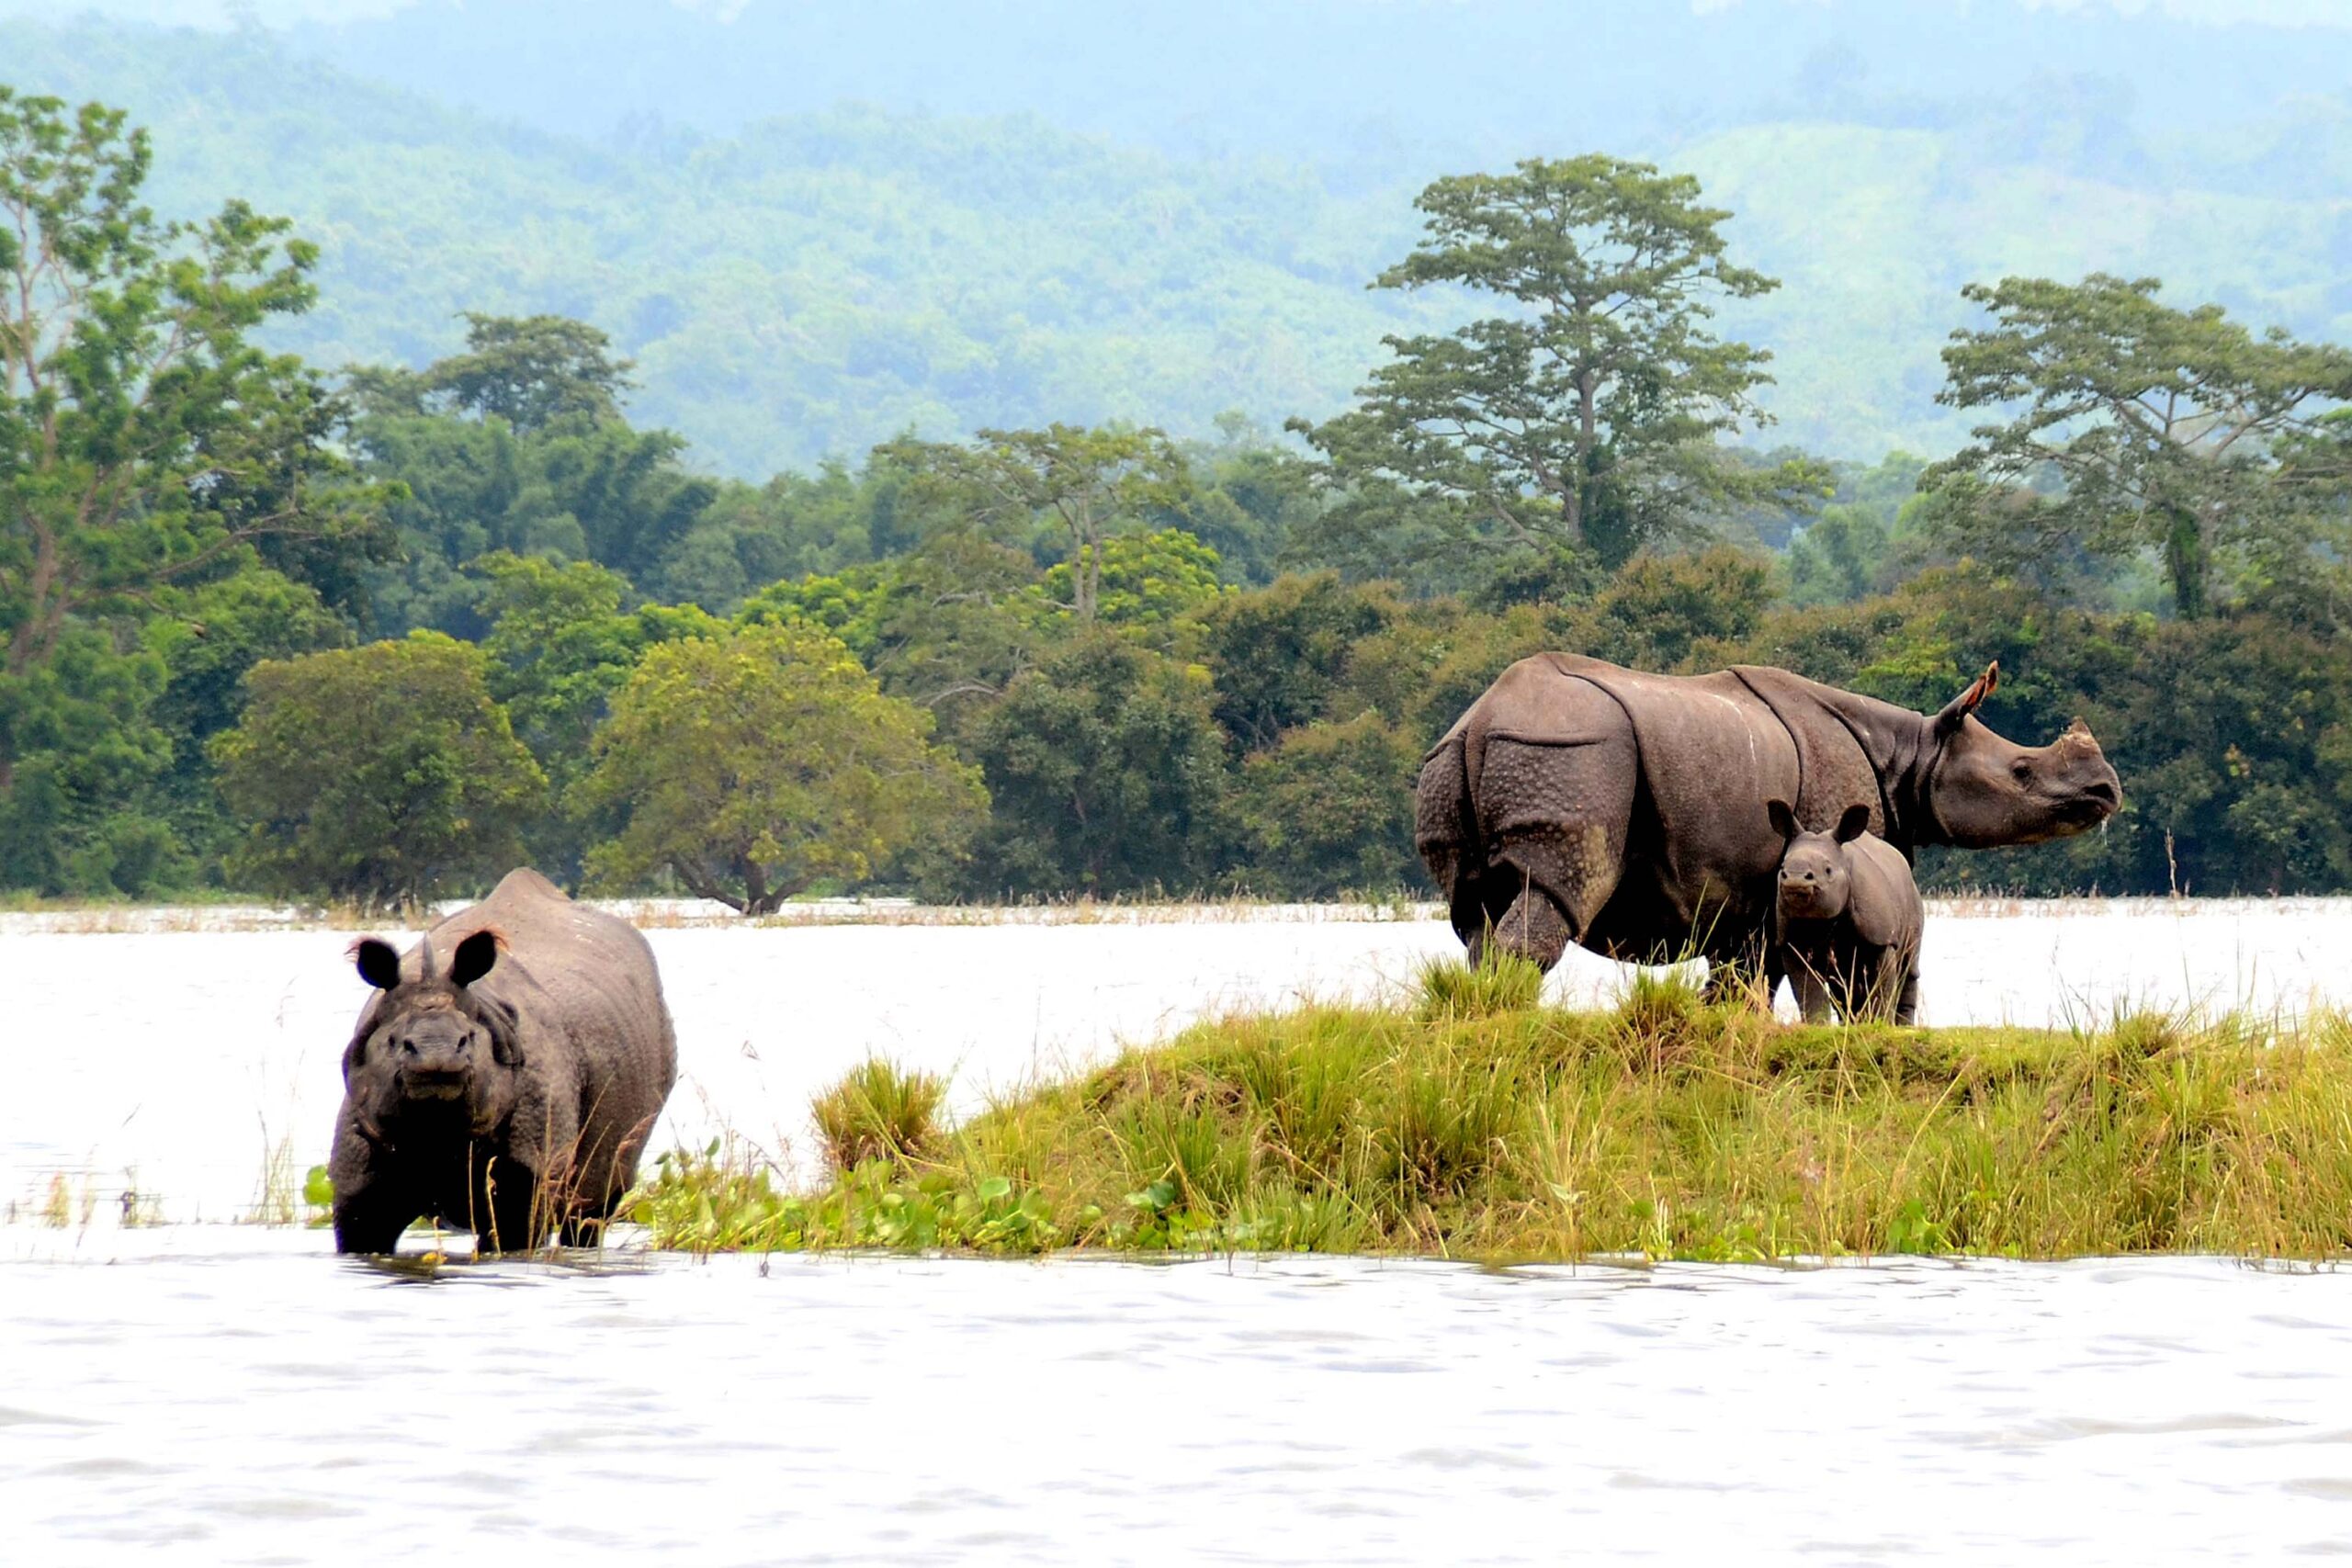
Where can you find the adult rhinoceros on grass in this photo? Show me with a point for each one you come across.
(1577, 801)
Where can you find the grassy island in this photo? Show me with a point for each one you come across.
(1474, 1122)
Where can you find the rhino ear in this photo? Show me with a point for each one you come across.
(474, 958)
(1784, 821)
(378, 964)
(1851, 826)
(1961, 707)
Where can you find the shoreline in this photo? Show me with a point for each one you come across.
(691, 914)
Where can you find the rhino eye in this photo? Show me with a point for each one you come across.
(2021, 770)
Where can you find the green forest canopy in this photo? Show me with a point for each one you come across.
(807, 286)
(1125, 660)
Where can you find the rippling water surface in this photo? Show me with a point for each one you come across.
(223, 1395)
(218, 1393)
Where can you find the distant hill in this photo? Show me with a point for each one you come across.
(810, 284)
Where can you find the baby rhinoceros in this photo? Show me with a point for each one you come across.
(505, 1075)
(1848, 923)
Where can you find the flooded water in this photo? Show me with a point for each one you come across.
(176, 1064)
(226, 1393)
(223, 1395)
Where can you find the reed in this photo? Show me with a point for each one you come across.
(1471, 1122)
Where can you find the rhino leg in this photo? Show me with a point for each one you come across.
(1907, 1000)
(1556, 816)
(370, 1219)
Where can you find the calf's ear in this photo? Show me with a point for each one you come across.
(1961, 707)
(474, 958)
(1784, 821)
(1854, 824)
(378, 964)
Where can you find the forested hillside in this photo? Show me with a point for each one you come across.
(806, 285)
(380, 631)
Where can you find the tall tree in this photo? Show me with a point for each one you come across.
(146, 446)
(1081, 485)
(2175, 432)
(1586, 417)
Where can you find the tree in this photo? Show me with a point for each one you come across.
(1585, 417)
(145, 445)
(383, 774)
(1155, 582)
(2164, 430)
(1330, 811)
(529, 371)
(756, 765)
(1279, 652)
(1084, 485)
(1107, 775)
(1659, 608)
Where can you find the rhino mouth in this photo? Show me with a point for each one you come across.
(425, 1086)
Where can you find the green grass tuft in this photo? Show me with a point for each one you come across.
(878, 1112)
(1503, 983)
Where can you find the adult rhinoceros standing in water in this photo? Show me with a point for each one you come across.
(1577, 801)
(505, 1076)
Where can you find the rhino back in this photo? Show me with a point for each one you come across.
(593, 1022)
(1885, 907)
(1711, 753)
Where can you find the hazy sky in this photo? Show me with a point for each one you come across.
(218, 12)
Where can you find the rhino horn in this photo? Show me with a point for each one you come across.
(425, 959)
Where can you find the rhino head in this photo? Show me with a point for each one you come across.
(1815, 881)
(432, 1055)
(1984, 792)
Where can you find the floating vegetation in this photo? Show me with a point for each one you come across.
(1473, 1121)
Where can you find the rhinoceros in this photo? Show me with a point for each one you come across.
(507, 1089)
(1577, 801)
(1848, 927)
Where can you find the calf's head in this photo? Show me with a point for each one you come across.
(1814, 880)
(431, 1052)
(1984, 792)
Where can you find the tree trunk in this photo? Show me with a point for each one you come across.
(2188, 564)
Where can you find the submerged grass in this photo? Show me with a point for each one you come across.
(1475, 1122)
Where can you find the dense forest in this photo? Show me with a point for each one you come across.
(812, 230)
(378, 632)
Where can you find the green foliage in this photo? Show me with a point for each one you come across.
(1330, 811)
(1075, 487)
(754, 764)
(1278, 655)
(380, 773)
(1656, 611)
(1108, 773)
(2170, 431)
(1148, 582)
(1586, 418)
(148, 453)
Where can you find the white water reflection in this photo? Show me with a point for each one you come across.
(173, 1062)
(226, 1396)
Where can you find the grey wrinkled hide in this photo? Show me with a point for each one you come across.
(1577, 801)
(1848, 928)
(553, 1118)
